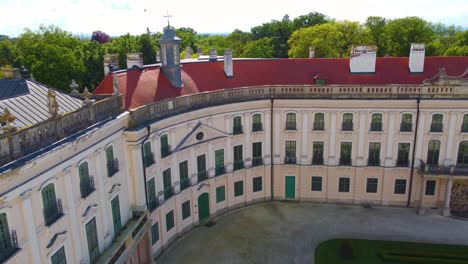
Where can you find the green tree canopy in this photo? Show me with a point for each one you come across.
(261, 48)
(237, 41)
(376, 29)
(279, 32)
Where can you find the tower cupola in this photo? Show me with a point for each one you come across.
(170, 56)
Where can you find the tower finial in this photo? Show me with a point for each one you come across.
(168, 16)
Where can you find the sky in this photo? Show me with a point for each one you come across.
(117, 17)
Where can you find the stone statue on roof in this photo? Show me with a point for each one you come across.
(115, 84)
(52, 103)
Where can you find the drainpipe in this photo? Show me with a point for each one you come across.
(148, 128)
(271, 148)
(414, 152)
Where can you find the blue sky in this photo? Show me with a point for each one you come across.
(117, 17)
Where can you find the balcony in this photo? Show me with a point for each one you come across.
(406, 127)
(184, 183)
(236, 130)
(165, 151)
(376, 127)
(347, 126)
(9, 246)
(168, 192)
(130, 237)
(317, 160)
(345, 161)
(148, 160)
(437, 127)
(373, 162)
(153, 203)
(202, 175)
(87, 188)
(402, 163)
(257, 161)
(257, 127)
(452, 170)
(290, 160)
(54, 213)
(238, 164)
(319, 126)
(220, 170)
(112, 167)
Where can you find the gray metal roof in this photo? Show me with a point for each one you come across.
(31, 107)
(12, 87)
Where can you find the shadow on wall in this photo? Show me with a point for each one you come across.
(459, 201)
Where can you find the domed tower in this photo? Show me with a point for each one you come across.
(170, 56)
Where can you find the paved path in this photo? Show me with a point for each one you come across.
(289, 232)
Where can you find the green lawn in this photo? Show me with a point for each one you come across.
(388, 252)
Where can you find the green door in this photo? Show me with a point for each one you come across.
(203, 207)
(290, 192)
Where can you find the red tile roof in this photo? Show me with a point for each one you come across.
(140, 88)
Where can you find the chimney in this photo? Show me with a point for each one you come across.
(311, 52)
(158, 56)
(362, 59)
(416, 57)
(199, 52)
(228, 68)
(213, 55)
(134, 59)
(111, 63)
(188, 52)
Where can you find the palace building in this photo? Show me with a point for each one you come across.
(115, 177)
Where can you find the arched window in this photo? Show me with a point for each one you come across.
(257, 123)
(148, 158)
(376, 123)
(86, 182)
(165, 148)
(290, 121)
(406, 124)
(462, 159)
(319, 121)
(433, 151)
(347, 124)
(237, 125)
(52, 206)
(112, 163)
(437, 123)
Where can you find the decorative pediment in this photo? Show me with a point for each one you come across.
(90, 210)
(201, 133)
(441, 78)
(54, 238)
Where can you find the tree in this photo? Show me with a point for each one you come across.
(404, 31)
(93, 54)
(188, 36)
(311, 19)
(376, 28)
(100, 37)
(261, 48)
(9, 54)
(121, 46)
(212, 42)
(352, 33)
(237, 41)
(460, 47)
(279, 32)
(147, 48)
(325, 38)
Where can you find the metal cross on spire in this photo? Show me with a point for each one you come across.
(168, 16)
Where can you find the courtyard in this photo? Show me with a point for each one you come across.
(289, 232)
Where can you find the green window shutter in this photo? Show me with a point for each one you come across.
(317, 155)
(110, 154)
(462, 158)
(256, 122)
(430, 187)
(84, 178)
(169, 221)
(406, 123)
(220, 194)
(319, 121)
(167, 178)
(403, 154)
(316, 183)
(238, 157)
(115, 204)
(154, 233)
(165, 151)
(343, 185)
(219, 161)
(372, 184)
(257, 184)
(376, 123)
(49, 202)
(400, 186)
(201, 164)
(151, 190)
(238, 188)
(185, 210)
(345, 154)
(374, 153)
(92, 238)
(433, 152)
(5, 241)
(257, 149)
(290, 121)
(183, 170)
(148, 158)
(59, 257)
(111, 167)
(465, 123)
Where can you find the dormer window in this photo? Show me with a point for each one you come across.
(320, 79)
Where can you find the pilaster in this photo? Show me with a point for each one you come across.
(248, 141)
(390, 131)
(31, 226)
(333, 143)
(267, 132)
(277, 137)
(360, 161)
(451, 135)
(304, 144)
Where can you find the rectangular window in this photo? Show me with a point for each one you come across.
(257, 154)
(319, 122)
(112, 163)
(238, 158)
(167, 183)
(92, 238)
(430, 187)
(403, 154)
(343, 185)
(154, 233)
(238, 188)
(257, 184)
(400, 186)
(437, 123)
(290, 157)
(220, 194)
(347, 124)
(372, 184)
(152, 199)
(462, 157)
(256, 123)
(345, 153)
(317, 155)
(148, 158)
(376, 123)
(237, 125)
(201, 168)
(219, 162)
(169, 221)
(115, 204)
(465, 123)
(374, 154)
(290, 121)
(59, 257)
(165, 149)
(183, 174)
(316, 183)
(406, 123)
(185, 210)
(433, 151)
